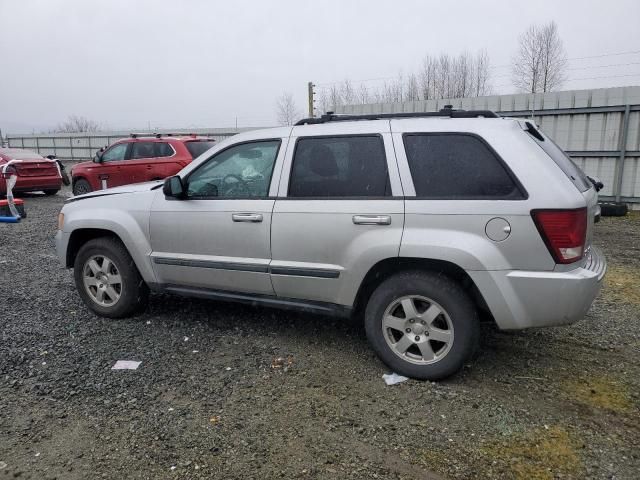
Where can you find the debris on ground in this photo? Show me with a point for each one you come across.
(393, 378)
(126, 365)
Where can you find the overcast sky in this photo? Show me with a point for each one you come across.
(192, 63)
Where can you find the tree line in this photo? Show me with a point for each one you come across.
(539, 65)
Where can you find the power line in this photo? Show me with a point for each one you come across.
(630, 52)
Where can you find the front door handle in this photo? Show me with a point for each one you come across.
(247, 217)
(372, 219)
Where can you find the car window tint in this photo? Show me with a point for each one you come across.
(457, 166)
(570, 169)
(142, 150)
(115, 153)
(162, 149)
(198, 147)
(240, 171)
(339, 167)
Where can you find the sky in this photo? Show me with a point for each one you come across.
(204, 64)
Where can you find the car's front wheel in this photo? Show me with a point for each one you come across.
(108, 280)
(81, 186)
(422, 325)
(51, 192)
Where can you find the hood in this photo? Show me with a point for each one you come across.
(132, 188)
(83, 165)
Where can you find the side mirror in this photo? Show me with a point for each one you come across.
(98, 157)
(173, 187)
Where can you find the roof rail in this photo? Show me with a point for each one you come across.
(447, 111)
(159, 135)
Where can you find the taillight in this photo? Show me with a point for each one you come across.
(563, 231)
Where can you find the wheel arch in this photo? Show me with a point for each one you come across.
(391, 266)
(81, 236)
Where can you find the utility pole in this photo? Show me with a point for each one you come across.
(311, 93)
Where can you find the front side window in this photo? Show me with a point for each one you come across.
(339, 167)
(457, 166)
(241, 171)
(142, 150)
(115, 153)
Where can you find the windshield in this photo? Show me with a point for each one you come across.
(198, 147)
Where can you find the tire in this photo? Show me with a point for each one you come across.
(50, 193)
(456, 325)
(610, 209)
(81, 186)
(119, 300)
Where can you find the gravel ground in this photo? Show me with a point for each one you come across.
(208, 400)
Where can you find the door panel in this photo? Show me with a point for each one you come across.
(323, 247)
(197, 243)
(219, 237)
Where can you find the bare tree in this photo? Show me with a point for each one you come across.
(347, 93)
(412, 90)
(540, 64)
(363, 94)
(77, 123)
(287, 111)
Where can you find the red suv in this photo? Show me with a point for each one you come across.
(137, 159)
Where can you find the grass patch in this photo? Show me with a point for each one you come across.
(600, 392)
(540, 454)
(622, 284)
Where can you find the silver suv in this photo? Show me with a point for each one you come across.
(422, 223)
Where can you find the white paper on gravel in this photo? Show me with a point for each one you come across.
(126, 365)
(393, 378)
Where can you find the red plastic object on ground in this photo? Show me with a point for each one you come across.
(4, 208)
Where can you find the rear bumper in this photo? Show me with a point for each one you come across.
(521, 299)
(32, 184)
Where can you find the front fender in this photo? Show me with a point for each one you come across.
(130, 225)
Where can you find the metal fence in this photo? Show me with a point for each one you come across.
(83, 146)
(599, 129)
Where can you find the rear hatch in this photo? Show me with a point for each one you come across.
(36, 168)
(573, 173)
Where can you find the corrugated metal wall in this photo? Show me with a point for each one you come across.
(589, 124)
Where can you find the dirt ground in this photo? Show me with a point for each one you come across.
(208, 400)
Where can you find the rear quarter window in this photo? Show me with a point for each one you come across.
(570, 169)
(197, 148)
(458, 166)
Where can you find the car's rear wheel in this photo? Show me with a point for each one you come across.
(81, 186)
(51, 192)
(108, 280)
(422, 325)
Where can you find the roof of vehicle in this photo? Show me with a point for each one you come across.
(447, 112)
(180, 137)
(19, 153)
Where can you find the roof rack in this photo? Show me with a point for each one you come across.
(447, 111)
(159, 135)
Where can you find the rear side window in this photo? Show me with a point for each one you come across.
(142, 150)
(571, 170)
(163, 149)
(457, 166)
(343, 166)
(197, 148)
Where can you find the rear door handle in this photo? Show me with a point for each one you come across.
(247, 217)
(372, 219)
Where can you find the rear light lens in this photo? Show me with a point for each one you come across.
(563, 231)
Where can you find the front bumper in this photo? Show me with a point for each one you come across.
(522, 299)
(62, 242)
